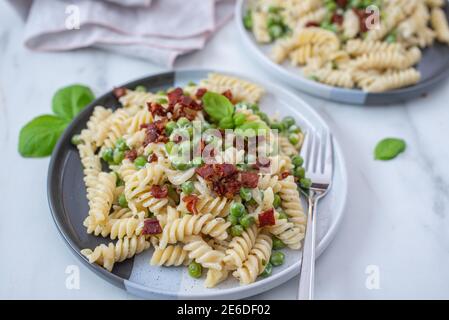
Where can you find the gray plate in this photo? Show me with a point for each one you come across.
(434, 68)
(68, 204)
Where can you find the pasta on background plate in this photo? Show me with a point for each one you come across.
(368, 44)
(198, 173)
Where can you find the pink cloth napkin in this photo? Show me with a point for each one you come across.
(156, 30)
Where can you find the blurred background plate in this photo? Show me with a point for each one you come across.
(434, 68)
(69, 207)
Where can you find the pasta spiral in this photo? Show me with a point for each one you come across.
(239, 248)
(170, 256)
(203, 253)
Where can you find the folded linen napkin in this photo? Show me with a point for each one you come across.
(157, 30)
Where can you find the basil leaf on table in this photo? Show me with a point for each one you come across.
(389, 148)
(69, 101)
(217, 106)
(39, 136)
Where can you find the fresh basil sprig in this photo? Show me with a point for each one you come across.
(389, 148)
(39, 136)
(221, 111)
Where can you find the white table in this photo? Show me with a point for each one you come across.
(397, 215)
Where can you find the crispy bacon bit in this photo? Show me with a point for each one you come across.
(337, 19)
(224, 178)
(266, 218)
(131, 154)
(156, 109)
(151, 226)
(206, 171)
(119, 92)
(284, 175)
(174, 95)
(312, 24)
(342, 3)
(191, 202)
(155, 132)
(200, 92)
(363, 16)
(249, 179)
(152, 158)
(228, 94)
(159, 192)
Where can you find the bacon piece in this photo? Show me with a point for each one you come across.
(337, 19)
(312, 24)
(151, 226)
(131, 154)
(191, 201)
(206, 171)
(341, 3)
(363, 16)
(228, 94)
(152, 158)
(159, 192)
(155, 132)
(284, 175)
(156, 109)
(200, 92)
(249, 179)
(174, 95)
(266, 218)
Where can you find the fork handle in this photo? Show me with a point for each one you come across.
(306, 280)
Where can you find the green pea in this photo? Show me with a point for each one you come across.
(274, 20)
(237, 230)
(293, 138)
(277, 258)
(247, 221)
(122, 201)
(195, 270)
(140, 89)
(191, 84)
(264, 117)
(120, 144)
(254, 107)
(267, 271)
(169, 146)
(277, 126)
(197, 162)
(118, 156)
(107, 155)
(118, 181)
(299, 172)
(391, 38)
(275, 31)
(169, 127)
(233, 220)
(245, 194)
(183, 122)
(162, 101)
(294, 129)
(278, 244)
(140, 162)
(187, 187)
(181, 166)
(161, 93)
(282, 215)
(237, 209)
(288, 121)
(76, 139)
(239, 118)
(331, 6)
(274, 9)
(305, 183)
(276, 201)
(297, 161)
(248, 20)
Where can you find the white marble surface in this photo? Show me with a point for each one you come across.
(397, 215)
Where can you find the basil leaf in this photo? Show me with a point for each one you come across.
(39, 136)
(389, 148)
(255, 125)
(69, 101)
(217, 106)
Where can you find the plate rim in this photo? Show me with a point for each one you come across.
(53, 177)
(324, 91)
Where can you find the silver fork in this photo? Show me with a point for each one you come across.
(317, 152)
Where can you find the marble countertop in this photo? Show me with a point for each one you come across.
(392, 243)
